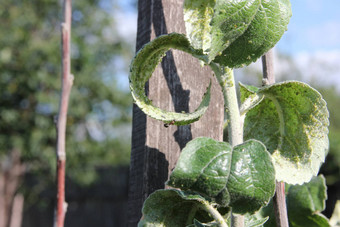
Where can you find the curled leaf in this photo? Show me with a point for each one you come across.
(292, 121)
(142, 68)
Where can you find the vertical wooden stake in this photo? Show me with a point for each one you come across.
(177, 84)
(67, 81)
(279, 198)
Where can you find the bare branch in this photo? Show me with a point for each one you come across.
(268, 68)
(67, 82)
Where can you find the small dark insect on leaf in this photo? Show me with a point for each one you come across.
(168, 124)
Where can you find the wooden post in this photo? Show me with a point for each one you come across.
(177, 84)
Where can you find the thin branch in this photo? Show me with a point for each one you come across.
(67, 82)
(279, 198)
(280, 205)
(268, 68)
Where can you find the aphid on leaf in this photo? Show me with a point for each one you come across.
(168, 124)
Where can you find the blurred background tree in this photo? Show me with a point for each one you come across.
(99, 116)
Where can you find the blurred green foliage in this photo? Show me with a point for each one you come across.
(30, 79)
(331, 169)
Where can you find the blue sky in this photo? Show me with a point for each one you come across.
(314, 26)
(313, 42)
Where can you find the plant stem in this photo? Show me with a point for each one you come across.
(279, 199)
(225, 77)
(67, 82)
(214, 213)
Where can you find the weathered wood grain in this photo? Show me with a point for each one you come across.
(177, 84)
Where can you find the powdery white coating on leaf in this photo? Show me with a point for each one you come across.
(197, 16)
(142, 68)
(292, 121)
(236, 32)
(212, 25)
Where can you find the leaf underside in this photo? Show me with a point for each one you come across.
(142, 68)
(292, 121)
(235, 33)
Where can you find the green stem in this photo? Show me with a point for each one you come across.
(214, 213)
(225, 77)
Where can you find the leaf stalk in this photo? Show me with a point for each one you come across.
(214, 213)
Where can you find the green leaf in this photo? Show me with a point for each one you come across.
(305, 202)
(172, 208)
(292, 121)
(197, 16)
(255, 221)
(250, 98)
(244, 176)
(266, 29)
(309, 197)
(268, 211)
(252, 177)
(141, 70)
(213, 25)
(314, 220)
(243, 30)
(204, 167)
